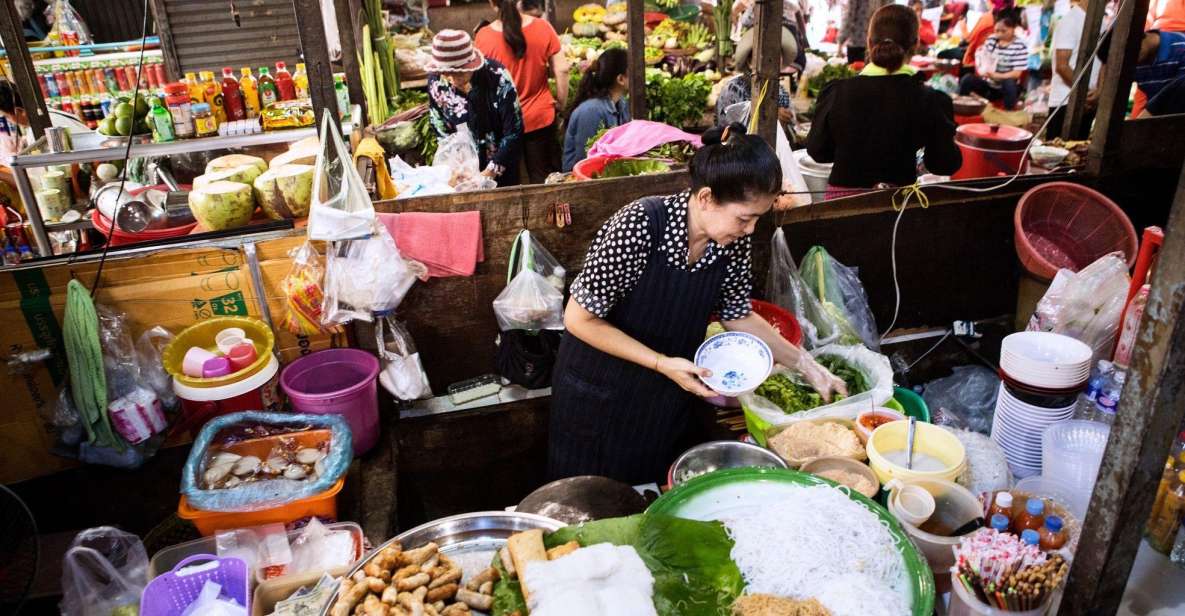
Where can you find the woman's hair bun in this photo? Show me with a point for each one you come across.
(722, 134)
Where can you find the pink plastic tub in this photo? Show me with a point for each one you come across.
(340, 381)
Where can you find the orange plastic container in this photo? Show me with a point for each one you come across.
(323, 505)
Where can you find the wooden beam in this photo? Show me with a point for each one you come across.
(1128, 31)
(23, 72)
(349, 29)
(311, 28)
(767, 60)
(1148, 416)
(1076, 104)
(168, 46)
(637, 56)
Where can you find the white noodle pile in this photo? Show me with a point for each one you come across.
(819, 543)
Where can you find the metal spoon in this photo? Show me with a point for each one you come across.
(913, 429)
(136, 216)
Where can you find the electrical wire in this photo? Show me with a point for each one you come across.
(127, 154)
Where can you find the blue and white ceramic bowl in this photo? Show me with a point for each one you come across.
(739, 362)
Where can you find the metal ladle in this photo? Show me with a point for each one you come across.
(136, 216)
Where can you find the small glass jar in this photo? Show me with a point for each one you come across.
(204, 122)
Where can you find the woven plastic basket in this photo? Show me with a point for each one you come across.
(172, 592)
(1065, 225)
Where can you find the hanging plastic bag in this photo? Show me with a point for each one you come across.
(303, 295)
(341, 207)
(458, 153)
(786, 288)
(1086, 305)
(103, 573)
(842, 297)
(528, 252)
(403, 374)
(965, 399)
(534, 295)
(67, 25)
(365, 276)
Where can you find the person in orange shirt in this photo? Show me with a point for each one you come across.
(979, 35)
(1166, 15)
(528, 47)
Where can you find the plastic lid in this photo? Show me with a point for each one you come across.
(1004, 499)
(281, 65)
(1035, 506)
(200, 107)
(263, 70)
(207, 74)
(1000, 522)
(227, 71)
(1030, 537)
(215, 367)
(1053, 523)
(993, 136)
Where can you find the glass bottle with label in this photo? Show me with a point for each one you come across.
(267, 88)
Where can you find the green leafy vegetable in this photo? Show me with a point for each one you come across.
(678, 101)
(853, 378)
(618, 531)
(508, 593)
(626, 167)
(788, 394)
(830, 72)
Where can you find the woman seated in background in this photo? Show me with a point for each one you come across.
(1007, 59)
(875, 144)
(599, 103)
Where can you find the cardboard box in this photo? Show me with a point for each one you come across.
(173, 288)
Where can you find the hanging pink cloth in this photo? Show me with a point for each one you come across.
(639, 137)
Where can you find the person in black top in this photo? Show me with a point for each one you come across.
(872, 125)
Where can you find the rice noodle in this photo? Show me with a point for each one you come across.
(818, 543)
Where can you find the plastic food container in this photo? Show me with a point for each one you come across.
(963, 603)
(338, 381)
(930, 440)
(204, 335)
(172, 592)
(323, 505)
(990, 150)
(954, 506)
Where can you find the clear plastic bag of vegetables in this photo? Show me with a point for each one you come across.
(103, 573)
(841, 296)
(786, 288)
(785, 397)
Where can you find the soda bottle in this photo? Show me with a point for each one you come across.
(300, 79)
(342, 94)
(267, 88)
(213, 94)
(232, 98)
(250, 91)
(162, 122)
(197, 94)
(285, 88)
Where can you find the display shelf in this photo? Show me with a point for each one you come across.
(89, 147)
(151, 56)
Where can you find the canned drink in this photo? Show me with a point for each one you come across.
(15, 234)
(121, 79)
(159, 69)
(71, 38)
(129, 73)
(63, 83)
(44, 87)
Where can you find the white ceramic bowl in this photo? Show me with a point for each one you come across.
(1045, 359)
(1048, 155)
(739, 362)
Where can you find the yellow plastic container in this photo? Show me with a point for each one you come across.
(930, 440)
(202, 335)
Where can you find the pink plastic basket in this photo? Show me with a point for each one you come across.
(1065, 225)
(172, 592)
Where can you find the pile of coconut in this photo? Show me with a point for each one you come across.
(225, 196)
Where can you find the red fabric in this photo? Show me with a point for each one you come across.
(447, 244)
(529, 72)
(979, 35)
(926, 33)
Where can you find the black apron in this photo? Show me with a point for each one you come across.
(615, 418)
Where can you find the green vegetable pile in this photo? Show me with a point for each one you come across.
(690, 560)
(794, 396)
(626, 167)
(830, 72)
(678, 101)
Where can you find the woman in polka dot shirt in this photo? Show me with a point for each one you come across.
(623, 384)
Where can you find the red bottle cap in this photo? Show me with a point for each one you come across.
(241, 355)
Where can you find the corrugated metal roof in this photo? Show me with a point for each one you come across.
(206, 35)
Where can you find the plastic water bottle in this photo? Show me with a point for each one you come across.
(1098, 378)
(1108, 399)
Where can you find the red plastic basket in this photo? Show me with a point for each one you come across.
(1065, 225)
(780, 319)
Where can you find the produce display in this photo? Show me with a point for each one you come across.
(793, 395)
(127, 118)
(421, 581)
(226, 195)
(678, 101)
(626, 167)
(830, 72)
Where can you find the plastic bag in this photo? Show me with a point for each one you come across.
(841, 295)
(103, 573)
(341, 208)
(404, 375)
(1086, 305)
(786, 288)
(534, 295)
(965, 399)
(302, 291)
(873, 366)
(419, 181)
(119, 353)
(529, 253)
(67, 24)
(458, 153)
(214, 480)
(318, 548)
(365, 276)
(149, 348)
(209, 602)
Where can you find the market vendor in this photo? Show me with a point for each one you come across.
(623, 385)
(1007, 58)
(599, 103)
(465, 88)
(877, 144)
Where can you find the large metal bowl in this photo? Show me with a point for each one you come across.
(716, 455)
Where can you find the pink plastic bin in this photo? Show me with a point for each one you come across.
(339, 381)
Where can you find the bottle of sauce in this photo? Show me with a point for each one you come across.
(161, 122)
(232, 98)
(204, 122)
(250, 90)
(285, 88)
(197, 94)
(300, 79)
(1032, 518)
(1162, 530)
(177, 100)
(1000, 523)
(267, 88)
(213, 95)
(1030, 537)
(1052, 535)
(1001, 505)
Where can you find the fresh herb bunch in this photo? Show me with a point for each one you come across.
(679, 102)
(830, 72)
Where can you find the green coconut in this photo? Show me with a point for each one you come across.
(285, 192)
(232, 161)
(222, 205)
(243, 174)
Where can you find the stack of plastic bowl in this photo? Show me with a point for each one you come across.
(1041, 375)
(1072, 453)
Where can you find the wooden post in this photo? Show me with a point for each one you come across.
(1076, 104)
(349, 30)
(23, 72)
(1121, 64)
(168, 47)
(316, 57)
(1148, 416)
(767, 59)
(637, 57)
